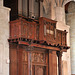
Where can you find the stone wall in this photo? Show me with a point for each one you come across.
(4, 35)
(71, 22)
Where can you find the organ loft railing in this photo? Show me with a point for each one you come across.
(35, 46)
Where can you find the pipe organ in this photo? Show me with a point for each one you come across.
(35, 46)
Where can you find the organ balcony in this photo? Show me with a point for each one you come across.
(42, 33)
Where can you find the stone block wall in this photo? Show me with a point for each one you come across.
(71, 22)
(4, 45)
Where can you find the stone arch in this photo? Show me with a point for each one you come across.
(67, 1)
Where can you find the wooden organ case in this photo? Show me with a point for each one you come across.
(35, 46)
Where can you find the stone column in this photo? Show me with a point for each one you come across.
(71, 22)
(60, 14)
(4, 35)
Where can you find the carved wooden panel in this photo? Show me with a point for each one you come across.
(39, 70)
(64, 38)
(39, 57)
(15, 29)
(47, 30)
(59, 37)
(50, 32)
(22, 28)
(29, 30)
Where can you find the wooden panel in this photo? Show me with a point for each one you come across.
(24, 56)
(39, 62)
(59, 62)
(54, 66)
(52, 63)
(29, 30)
(64, 34)
(59, 37)
(13, 60)
(24, 62)
(40, 70)
(15, 30)
(47, 30)
(38, 57)
(19, 61)
(23, 29)
(25, 69)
